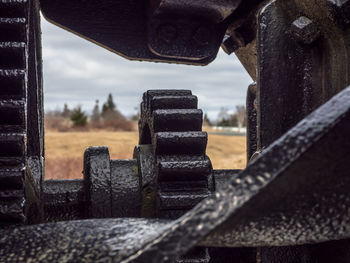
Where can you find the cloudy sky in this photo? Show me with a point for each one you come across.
(78, 72)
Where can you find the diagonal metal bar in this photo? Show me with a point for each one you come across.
(294, 193)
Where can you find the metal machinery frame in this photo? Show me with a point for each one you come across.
(167, 204)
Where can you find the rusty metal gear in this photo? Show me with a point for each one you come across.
(171, 122)
(13, 43)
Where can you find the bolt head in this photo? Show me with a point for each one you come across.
(339, 12)
(305, 30)
(167, 33)
(202, 35)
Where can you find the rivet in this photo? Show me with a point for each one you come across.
(305, 30)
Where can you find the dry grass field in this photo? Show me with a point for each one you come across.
(64, 150)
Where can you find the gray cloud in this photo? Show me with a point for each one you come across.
(79, 72)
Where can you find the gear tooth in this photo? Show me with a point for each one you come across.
(12, 21)
(12, 84)
(180, 143)
(168, 92)
(11, 177)
(12, 73)
(184, 186)
(180, 200)
(12, 55)
(13, 2)
(142, 107)
(11, 161)
(13, 68)
(12, 29)
(195, 255)
(14, 45)
(144, 100)
(177, 120)
(173, 102)
(12, 116)
(195, 170)
(11, 194)
(12, 210)
(150, 94)
(12, 145)
(12, 204)
(12, 168)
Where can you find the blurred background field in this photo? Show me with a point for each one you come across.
(64, 150)
(69, 131)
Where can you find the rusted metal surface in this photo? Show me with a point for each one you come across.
(189, 30)
(172, 31)
(251, 108)
(171, 122)
(296, 77)
(21, 145)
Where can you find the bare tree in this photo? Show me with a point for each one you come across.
(95, 116)
(66, 113)
(223, 114)
(241, 115)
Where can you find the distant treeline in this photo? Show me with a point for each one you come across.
(106, 118)
(236, 119)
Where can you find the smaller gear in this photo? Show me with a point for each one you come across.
(171, 122)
